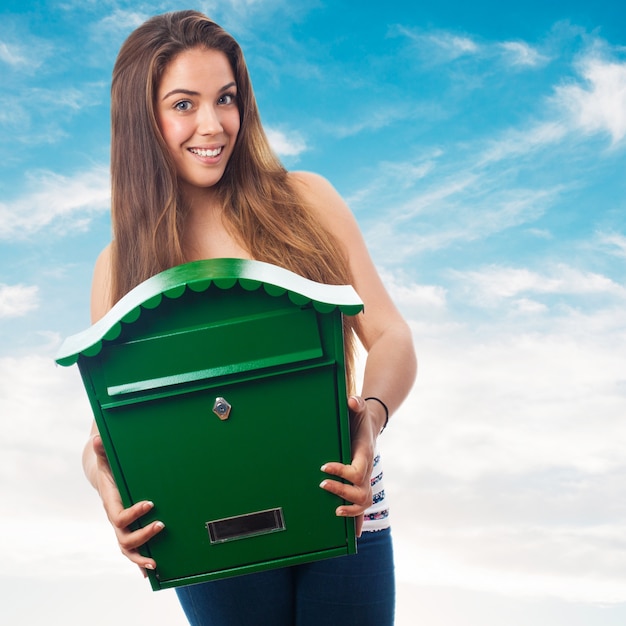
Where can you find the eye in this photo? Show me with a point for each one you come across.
(183, 105)
(227, 98)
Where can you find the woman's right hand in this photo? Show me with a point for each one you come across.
(121, 518)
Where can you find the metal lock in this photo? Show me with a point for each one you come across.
(221, 408)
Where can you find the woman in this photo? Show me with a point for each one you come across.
(193, 177)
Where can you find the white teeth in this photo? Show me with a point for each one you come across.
(205, 153)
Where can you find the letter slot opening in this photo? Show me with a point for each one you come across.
(249, 525)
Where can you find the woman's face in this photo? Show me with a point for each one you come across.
(197, 113)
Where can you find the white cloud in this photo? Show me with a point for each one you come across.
(22, 52)
(49, 111)
(516, 143)
(12, 55)
(38, 395)
(496, 283)
(244, 16)
(482, 196)
(540, 233)
(286, 144)
(565, 562)
(68, 98)
(76, 542)
(440, 46)
(61, 202)
(453, 46)
(243, 5)
(476, 206)
(120, 21)
(519, 53)
(613, 243)
(45, 422)
(372, 120)
(18, 300)
(520, 405)
(600, 104)
(399, 176)
(527, 306)
(412, 299)
(405, 175)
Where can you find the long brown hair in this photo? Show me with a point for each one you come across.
(261, 209)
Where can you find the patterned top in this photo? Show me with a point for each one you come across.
(377, 516)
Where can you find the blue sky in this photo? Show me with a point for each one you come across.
(482, 149)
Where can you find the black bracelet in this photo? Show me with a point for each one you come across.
(384, 407)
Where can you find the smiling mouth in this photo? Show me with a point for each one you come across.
(206, 153)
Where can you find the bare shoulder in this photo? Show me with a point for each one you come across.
(325, 201)
(307, 180)
(313, 187)
(101, 285)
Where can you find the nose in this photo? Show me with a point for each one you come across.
(209, 121)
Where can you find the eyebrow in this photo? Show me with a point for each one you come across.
(188, 92)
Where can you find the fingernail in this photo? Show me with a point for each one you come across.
(323, 468)
(159, 525)
(323, 484)
(149, 566)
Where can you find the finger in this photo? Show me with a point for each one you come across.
(102, 462)
(122, 518)
(130, 541)
(98, 446)
(351, 510)
(334, 468)
(358, 496)
(119, 516)
(357, 472)
(356, 404)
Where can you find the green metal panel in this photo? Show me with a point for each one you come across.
(240, 494)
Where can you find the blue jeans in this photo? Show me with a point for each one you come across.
(348, 590)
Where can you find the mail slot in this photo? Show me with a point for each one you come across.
(219, 390)
(242, 526)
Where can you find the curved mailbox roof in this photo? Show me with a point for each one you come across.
(198, 276)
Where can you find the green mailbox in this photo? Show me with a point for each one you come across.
(219, 390)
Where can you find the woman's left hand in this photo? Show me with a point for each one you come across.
(358, 489)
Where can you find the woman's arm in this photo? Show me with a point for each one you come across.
(391, 366)
(95, 463)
